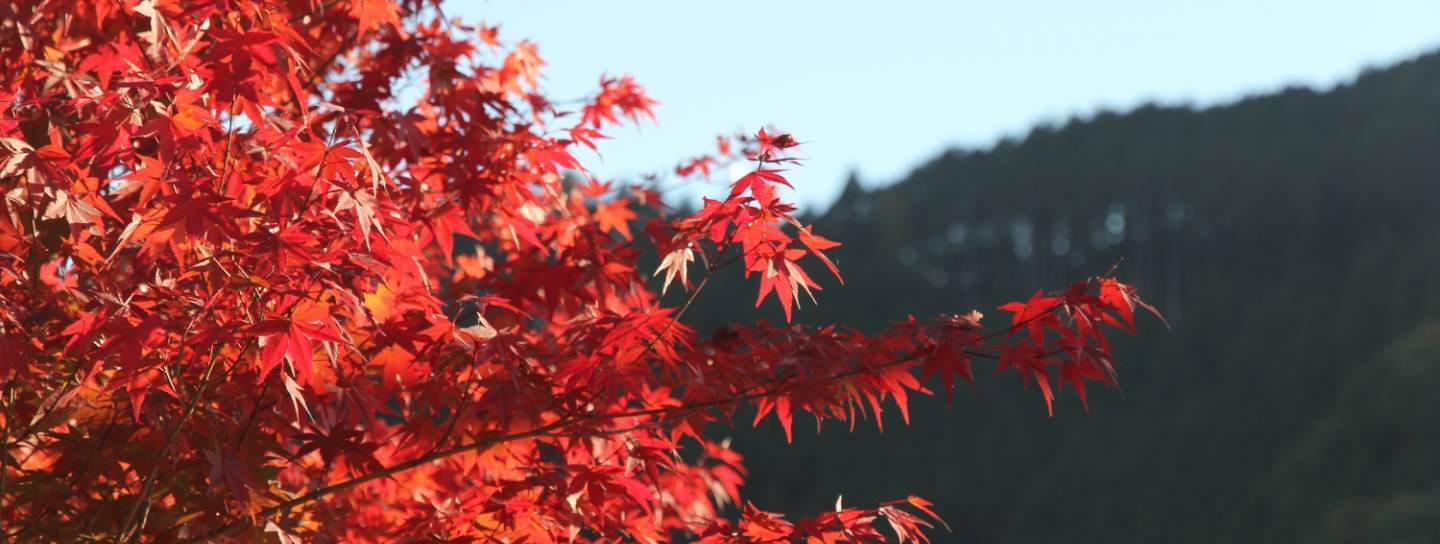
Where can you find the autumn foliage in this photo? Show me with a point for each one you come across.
(251, 288)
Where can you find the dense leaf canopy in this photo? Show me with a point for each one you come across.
(250, 288)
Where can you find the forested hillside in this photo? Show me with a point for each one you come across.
(1293, 241)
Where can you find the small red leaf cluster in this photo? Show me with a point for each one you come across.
(252, 287)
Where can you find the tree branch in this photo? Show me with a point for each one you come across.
(170, 435)
(320, 493)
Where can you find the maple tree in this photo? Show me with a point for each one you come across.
(249, 290)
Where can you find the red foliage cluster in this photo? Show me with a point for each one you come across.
(247, 290)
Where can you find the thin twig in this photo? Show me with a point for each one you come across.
(170, 435)
(5, 461)
(250, 419)
(317, 494)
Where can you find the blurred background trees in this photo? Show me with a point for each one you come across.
(1293, 240)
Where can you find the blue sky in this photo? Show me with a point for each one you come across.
(879, 87)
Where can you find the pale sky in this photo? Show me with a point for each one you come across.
(881, 86)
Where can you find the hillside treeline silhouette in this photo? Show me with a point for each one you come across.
(1293, 241)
